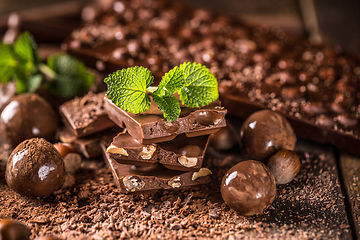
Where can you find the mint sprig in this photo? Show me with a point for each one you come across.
(63, 75)
(130, 88)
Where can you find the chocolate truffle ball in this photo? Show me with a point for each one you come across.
(13, 230)
(35, 168)
(248, 187)
(264, 133)
(27, 116)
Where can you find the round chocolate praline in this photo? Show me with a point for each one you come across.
(13, 230)
(35, 168)
(264, 133)
(248, 187)
(27, 116)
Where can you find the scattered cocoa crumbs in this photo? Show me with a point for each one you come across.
(310, 207)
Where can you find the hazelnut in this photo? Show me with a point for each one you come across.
(203, 172)
(64, 148)
(13, 230)
(207, 118)
(175, 182)
(133, 183)
(72, 162)
(284, 165)
(248, 187)
(116, 150)
(188, 161)
(147, 151)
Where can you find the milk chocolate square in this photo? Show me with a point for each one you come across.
(86, 115)
(132, 179)
(152, 127)
(181, 153)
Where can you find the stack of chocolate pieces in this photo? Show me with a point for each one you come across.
(151, 153)
(144, 151)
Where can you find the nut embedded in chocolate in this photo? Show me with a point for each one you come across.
(265, 132)
(13, 230)
(248, 187)
(35, 168)
(27, 116)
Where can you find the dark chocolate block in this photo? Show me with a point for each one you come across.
(86, 115)
(181, 153)
(89, 145)
(132, 179)
(316, 87)
(152, 127)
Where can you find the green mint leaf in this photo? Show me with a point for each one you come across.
(8, 63)
(169, 105)
(71, 76)
(171, 82)
(21, 82)
(23, 48)
(127, 88)
(34, 82)
(201, 87)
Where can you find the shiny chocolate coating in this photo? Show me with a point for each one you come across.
(35, 168)
(265, 132)
(248, 187)
(13, 230)
(223, 139)
(27, 116)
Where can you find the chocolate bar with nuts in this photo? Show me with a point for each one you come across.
(135, 179)
(181, 153)
(86, 115)
(152, 127)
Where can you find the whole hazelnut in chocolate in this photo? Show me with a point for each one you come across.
(35, 168)
(13, 230)
(27, 116)
(264, 133)
(248, 187)
(284, 165)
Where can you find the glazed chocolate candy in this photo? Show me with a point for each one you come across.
(35, 168)
(13, 230)
(27, 116)
(265, 132)
(248, 187)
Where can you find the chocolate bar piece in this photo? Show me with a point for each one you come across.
(89, 145)
(181, 153)
(134, 179)
(86, 115)
(152, 127)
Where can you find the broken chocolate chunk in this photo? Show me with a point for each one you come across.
(86, 115)
(181, 153)
(152, 127)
